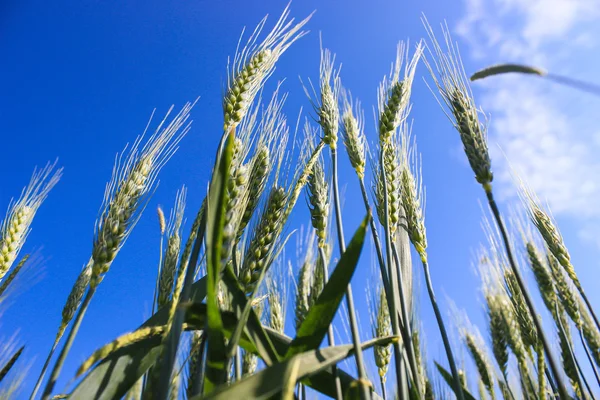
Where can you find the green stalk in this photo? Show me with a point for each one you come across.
(441, 326)
(409, 347)
(38, 384)
(562, 390)
(398, 359)
(362, 376)
(172, 341)
(330, 337)
(67, 347)
(589, 356)
(383, 393)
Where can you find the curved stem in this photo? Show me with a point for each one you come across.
(441, 326)
(67, 347)
(362, 376)
(562, 390)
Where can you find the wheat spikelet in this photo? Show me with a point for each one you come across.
(254, 63)
(15, 227)
(394, 94)
(13, 274)
(75, 297)
(304, 283)
(318, 197)
(134, 178)
(543, 277)
(565, 292)
(353, 134)
(120, 342)
(169, 267)
(257, 181)
(549, 232)
(10, 363)
(161, 220)
(382, 328)
(541, 366)
(263, 239)
(498, 332)
(456, 94)
(481, 362)
(277, 303)
(328, 111)
(520, 310)
(194, 363)
(412, 193)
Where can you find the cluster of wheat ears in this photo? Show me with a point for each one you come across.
(219, 309)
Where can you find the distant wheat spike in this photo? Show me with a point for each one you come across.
(394, 93)
(13, 274)
(277, 304)
(318, 198)
(382, 328)
(303, 287)
(171, 257)
(328, 110)
(263, 238)
(456, 94)
(497, 332)
(16, 225)
(566, 294)
(272, 132)
(412, 192)
(161, 220)
(520, 310)
(542, 276)
(549, 232)
(254, 63)
(318, 276)
(353, 134)
(134, 178)
(10, 363)
(75, 297)
(194, 363)
(481, 362)
(513, 331)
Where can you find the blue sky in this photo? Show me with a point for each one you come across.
(78, 80)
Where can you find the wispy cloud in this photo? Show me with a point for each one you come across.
(550, 134)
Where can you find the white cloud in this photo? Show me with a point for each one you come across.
(548, 133)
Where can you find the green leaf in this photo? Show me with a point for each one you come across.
(450, 381)
(253, 327)
(505, 69)
(314, 327)
(217, 201)
(270, 381)
(116, 374)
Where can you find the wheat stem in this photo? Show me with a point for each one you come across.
(70, 338)
(362, 376)
(562, 390)
(589, 356)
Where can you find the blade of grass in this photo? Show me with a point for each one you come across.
(450, 381)
(270, 381)
(315, 326)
